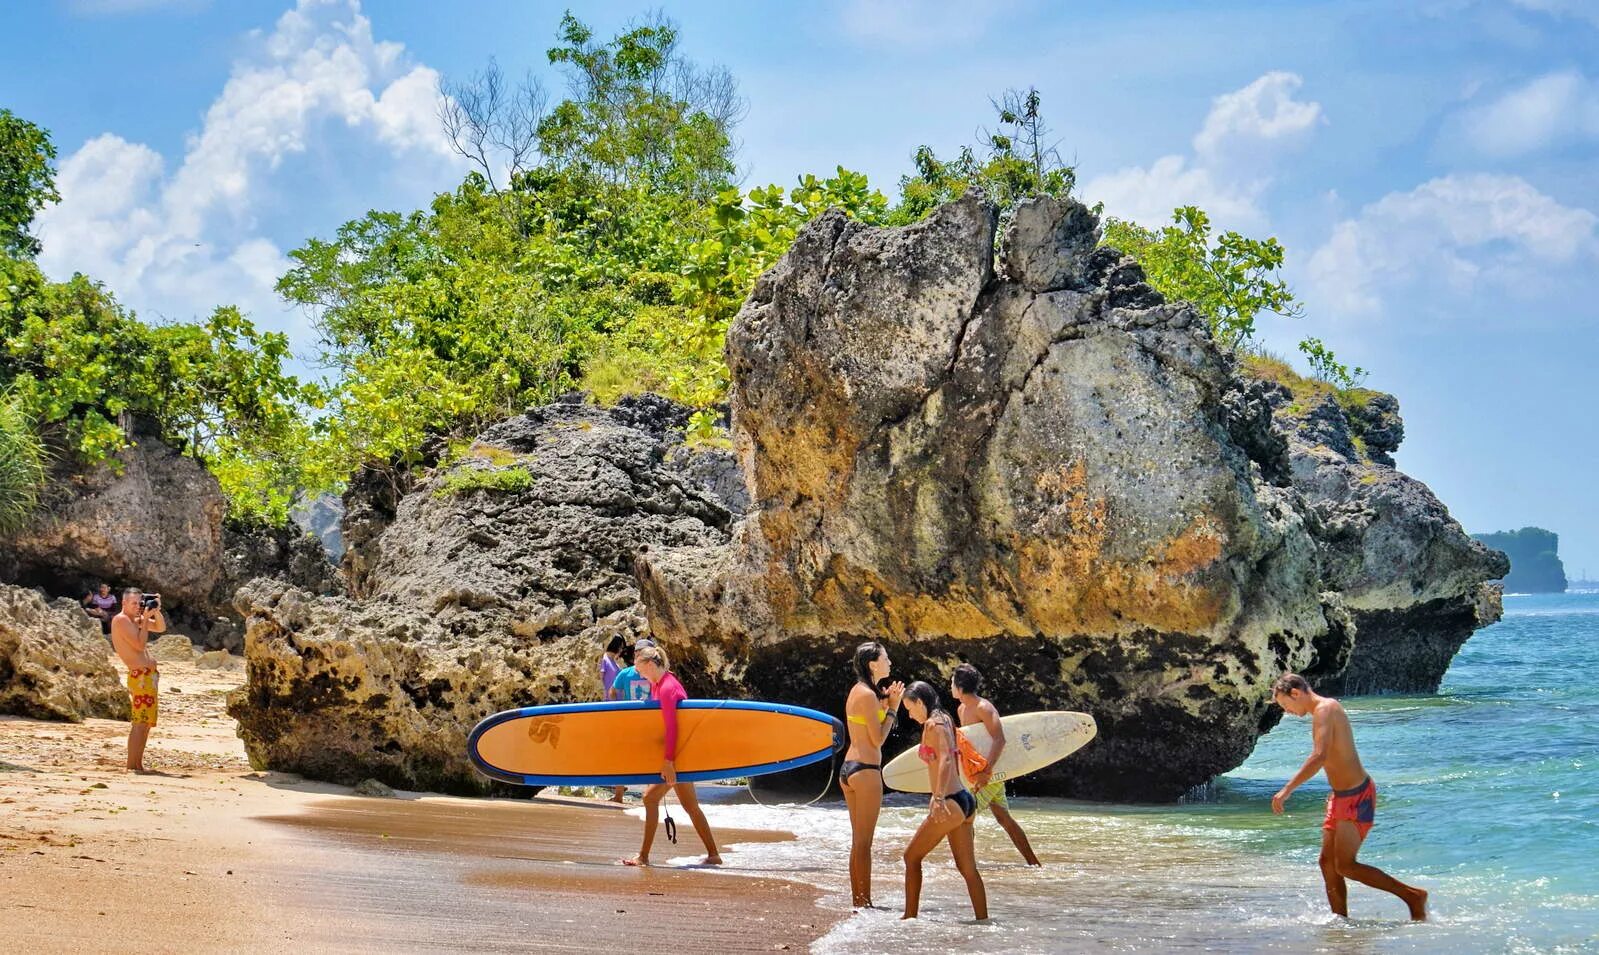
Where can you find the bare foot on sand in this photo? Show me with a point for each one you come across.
(1418, 905)
(712, 859)
(639, 861)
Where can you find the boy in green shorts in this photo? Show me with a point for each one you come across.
(965, 683)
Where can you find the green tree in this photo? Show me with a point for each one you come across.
(601, 243)
(27, 182)
(1229, 280)
(75, 362)
(1018, 161)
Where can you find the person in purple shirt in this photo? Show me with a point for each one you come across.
(102, 606)
(610, 666)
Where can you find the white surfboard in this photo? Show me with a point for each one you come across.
(1032, 741)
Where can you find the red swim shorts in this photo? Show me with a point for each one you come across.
(1358, 805)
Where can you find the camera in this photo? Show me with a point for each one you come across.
(150, 601)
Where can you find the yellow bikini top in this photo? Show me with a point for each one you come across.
(857, 718)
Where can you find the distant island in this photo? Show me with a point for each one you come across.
(1535, 566)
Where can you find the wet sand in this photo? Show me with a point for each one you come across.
(211, 856)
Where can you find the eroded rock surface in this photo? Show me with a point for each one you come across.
(496, 584)
(1416, 585)
(153, 521)
(1026, 463)
(54, 662)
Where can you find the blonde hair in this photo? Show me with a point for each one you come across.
(654, 655)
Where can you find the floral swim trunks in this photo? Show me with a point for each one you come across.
(1357, 805)
(143, 692)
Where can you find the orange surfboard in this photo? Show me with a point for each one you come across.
(621, 743)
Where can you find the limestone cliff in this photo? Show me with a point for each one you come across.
(1028, 465)
(54, 662)
(1415, 584)
(495, 584)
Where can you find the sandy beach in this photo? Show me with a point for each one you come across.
(208, 855)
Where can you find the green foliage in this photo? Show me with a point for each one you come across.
(1018, 162)
(22, 459)
(639, 113)
(1229, 280)
(613, 258)
(1324, 365)
(76, 362)
(27, 182)
(494, 480)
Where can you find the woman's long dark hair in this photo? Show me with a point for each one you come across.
(865, 655)
(924, 694)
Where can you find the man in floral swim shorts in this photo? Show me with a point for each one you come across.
(130, 635)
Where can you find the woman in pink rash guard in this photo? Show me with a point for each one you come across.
(652, 665)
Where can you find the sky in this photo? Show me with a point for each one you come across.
(1429, 166)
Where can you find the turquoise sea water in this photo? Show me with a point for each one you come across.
(1489, 798)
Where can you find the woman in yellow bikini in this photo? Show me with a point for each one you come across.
(870, 714)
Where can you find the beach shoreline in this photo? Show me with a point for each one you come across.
(210, 855)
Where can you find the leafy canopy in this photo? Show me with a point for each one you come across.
(27, 182)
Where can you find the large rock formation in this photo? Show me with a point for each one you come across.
(495, 584)
(153, 519)
(54, 662)
(1031, 468)
(1415, 584)
(1034, 464)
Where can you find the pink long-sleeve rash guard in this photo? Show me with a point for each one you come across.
(669, 692)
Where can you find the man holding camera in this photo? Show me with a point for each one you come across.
(130, 635)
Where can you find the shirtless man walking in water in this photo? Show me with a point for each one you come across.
(1352, 805)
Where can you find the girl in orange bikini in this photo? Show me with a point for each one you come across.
(869, 714)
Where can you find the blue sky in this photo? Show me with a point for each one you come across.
(1430, 166)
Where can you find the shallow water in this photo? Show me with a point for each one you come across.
(1487, 799)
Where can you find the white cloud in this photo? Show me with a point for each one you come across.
(1548, 111)
(181, 244)
(1453, 237)
(1235, 153)
(920, 24)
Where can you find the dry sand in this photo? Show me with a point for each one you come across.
(210, 856)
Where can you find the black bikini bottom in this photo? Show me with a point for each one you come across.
(965, 800)
(851, 767)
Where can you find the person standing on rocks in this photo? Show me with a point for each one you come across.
(130, 636)
(869, 714)
(102, 605)
(1352, 804)
(949, 812)
(652, 665)
(610, 666)
(966, 682)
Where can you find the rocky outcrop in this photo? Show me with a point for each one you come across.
(255, 550)
(495, 584)
(1026, 464)
(1415, 584)
(54, 662)
(152, 519)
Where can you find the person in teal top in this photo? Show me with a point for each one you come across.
(629, 685)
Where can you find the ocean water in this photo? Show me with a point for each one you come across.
(1489, 798)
